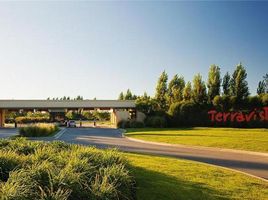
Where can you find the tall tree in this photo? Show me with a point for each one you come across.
(199, 93)
(239, 84)
(175, 89)
(161, 91)
(226, 84)
(121, 96)
(128, 95)
(261, 87)
(214, 82)
(187, 92)
(266, 83)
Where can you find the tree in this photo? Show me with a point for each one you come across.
(187, 92)
(239, 85)
(121, 96)
(175, 89)
(146, 104)
(261, 87)
(214, 82)
(226, 84)
(161, 91)
(199, 90)
(128, 95)
(266, 83)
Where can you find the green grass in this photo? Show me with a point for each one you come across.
(60, 171)
(232, 138)
(162, 178)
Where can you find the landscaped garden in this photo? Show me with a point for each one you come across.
(59, 171)
(232, 138)
(40, 170)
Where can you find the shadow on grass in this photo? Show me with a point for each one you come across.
(171, 135)
(152, 185)
(131, 130)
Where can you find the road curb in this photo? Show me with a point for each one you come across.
(195, 147)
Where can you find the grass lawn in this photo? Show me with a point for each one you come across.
(232, 138)
(162, 178)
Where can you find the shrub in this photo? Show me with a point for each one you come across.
(264, 100)
(38, 130)
(27, 120)
(63, 172)
(136, 124)
(156, 122)
(123, 124)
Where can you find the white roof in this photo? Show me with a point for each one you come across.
(31, 104)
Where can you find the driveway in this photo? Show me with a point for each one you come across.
(8, 132)
(256, 165)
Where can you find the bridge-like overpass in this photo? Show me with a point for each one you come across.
(120, 108)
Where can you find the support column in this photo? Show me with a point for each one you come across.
(2, 118)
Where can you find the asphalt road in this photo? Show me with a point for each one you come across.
(256, 165)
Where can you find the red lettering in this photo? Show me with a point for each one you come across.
(233, 115)
(266, 113)
(249, 116)
(225, 116)
(218, 117)
(240, 117)
(212, 113)
(262, 115)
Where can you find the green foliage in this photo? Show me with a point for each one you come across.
(161, 91)
(146, 104)
(261, 87)
(130, 124)
(187, 92)
(156, 122)
(26, 120)
(121, 96)
(127, 96)
(264, 99)
(199, 93)
(175, 89)
(214, 82)
(61, 171)
(87, 115)
(239, 85)
(38, 130)
(226, 85)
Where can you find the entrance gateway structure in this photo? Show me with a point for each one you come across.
(119, 109)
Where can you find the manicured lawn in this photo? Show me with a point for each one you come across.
(233, 138)
(162, 178)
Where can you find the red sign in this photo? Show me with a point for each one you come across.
(256, 114)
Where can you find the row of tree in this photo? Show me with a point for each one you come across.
(178, 97)
(66, 98)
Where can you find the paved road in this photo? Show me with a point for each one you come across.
(5, 133)
(103, 138)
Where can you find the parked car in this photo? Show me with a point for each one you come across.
(71, 123)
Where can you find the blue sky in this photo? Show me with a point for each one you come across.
(98, 49)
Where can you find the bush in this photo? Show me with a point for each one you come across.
(38, 130)
(62, 171)
(27, 120)
(156, 122)
(136, 124)
(123, 124)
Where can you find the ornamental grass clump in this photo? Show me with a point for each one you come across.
(61, 171)
(38, 130)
